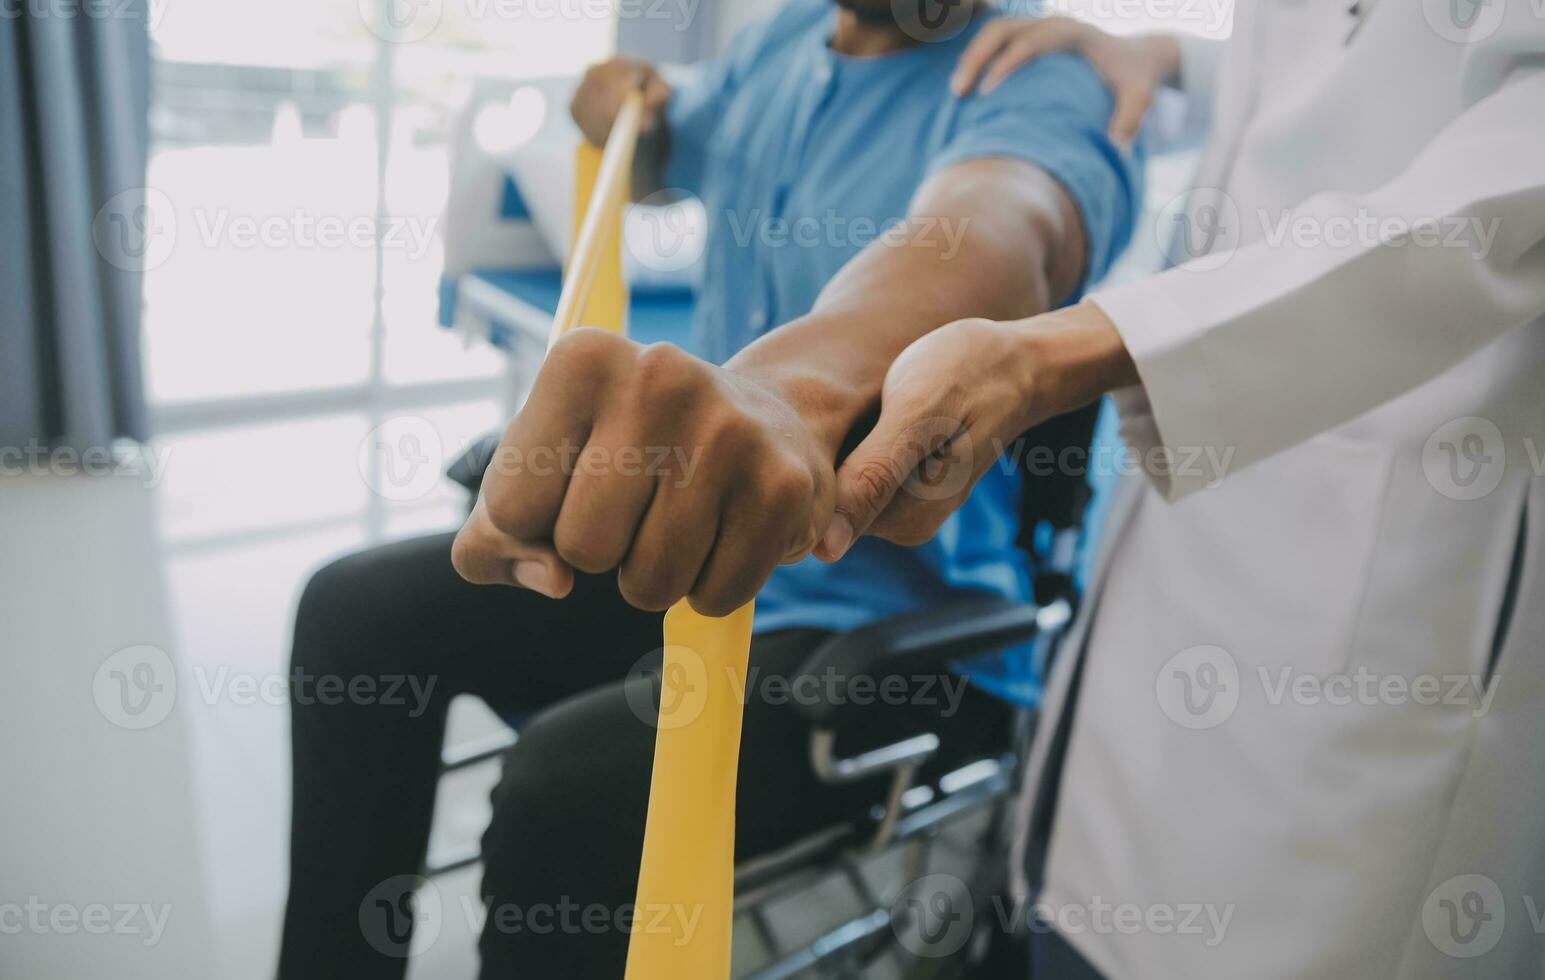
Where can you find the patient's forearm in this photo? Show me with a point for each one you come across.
(989, 238)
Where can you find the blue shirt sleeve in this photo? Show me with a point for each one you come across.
(1053, 113)
(692, 113)
(695, 107)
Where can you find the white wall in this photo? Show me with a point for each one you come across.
(100, 874)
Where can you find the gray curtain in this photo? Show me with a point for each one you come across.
(74, 101)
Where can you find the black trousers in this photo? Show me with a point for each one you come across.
(386, 638)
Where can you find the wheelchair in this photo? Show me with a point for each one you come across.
(917, 887)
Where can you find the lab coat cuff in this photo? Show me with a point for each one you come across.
(1170, 422)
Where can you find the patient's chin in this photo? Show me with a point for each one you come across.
(920, 20)
(870, 11)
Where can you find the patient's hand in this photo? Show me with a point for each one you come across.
(693, 480)
(599, 97)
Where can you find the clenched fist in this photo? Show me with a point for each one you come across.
(599, 97)
(690, 479)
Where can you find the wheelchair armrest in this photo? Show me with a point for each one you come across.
(467, 469)
(907, 644)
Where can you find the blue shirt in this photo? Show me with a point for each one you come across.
(802, 157)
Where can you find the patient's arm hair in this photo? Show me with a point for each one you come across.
(996, 238)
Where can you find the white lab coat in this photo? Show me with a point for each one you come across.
(1375, 407)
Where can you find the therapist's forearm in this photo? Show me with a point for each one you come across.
(987, 381)
(1067, 359)
(992, 238)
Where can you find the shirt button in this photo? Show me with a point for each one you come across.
(759, 320)
(823, 73)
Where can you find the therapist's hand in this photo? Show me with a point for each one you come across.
(690, 479)
(1133, 67)
(953, 402)
(599, 97)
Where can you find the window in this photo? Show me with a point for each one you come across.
(300, 159)
(305, 399)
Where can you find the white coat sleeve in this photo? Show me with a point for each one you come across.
(1283, 341)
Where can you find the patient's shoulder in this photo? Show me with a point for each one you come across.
(1063, 78)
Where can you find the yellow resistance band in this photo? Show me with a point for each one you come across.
(685, 903)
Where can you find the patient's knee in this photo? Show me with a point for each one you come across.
(586, 759)
(325, 607)
(568, 789)
(354, 653)
(342, 626)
